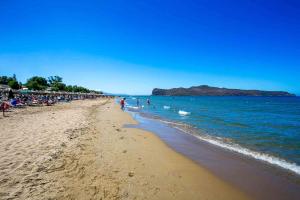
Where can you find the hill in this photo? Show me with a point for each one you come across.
(205, 90)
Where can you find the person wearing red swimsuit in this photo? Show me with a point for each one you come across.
(122, 103)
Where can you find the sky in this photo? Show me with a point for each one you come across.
(131, 47)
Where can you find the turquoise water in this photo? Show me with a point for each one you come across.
(266, 128)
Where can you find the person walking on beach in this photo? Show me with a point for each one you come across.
(4, 106)
(122, 103)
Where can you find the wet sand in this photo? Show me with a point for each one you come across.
(256, 178)
(81, 150)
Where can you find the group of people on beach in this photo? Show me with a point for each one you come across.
(122, 102)
(12, 99)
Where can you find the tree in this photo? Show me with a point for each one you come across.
(14, 77)
(58, 86)
(69, 88)
(4, 80)
(40, 83)
(54, 79)
(37, 83)
(80, 89)
(10, 81)
(97, 92)
(56, 83)
(14, 84)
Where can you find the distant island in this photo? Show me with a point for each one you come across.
(205, 90)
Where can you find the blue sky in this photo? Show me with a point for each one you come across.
(133, 46)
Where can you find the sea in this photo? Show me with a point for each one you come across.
(263, 128)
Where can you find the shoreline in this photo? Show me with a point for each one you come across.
(229, 165)
(288, 166)
(45, 153)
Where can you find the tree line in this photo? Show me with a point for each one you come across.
(54, 83)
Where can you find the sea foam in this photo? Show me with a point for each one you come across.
(238, 149)
(247, 152)
(166, 107)
(184, 113)
(132, 107)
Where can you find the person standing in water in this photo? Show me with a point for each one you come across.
(148, 102)
(122, 103)
(138, 102)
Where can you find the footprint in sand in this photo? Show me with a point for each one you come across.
(156, 190)
(131, 174)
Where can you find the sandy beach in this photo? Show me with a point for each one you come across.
(81, 150)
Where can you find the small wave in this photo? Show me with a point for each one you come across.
(184, 113)
(247, 152)
(166, 107)
(173, 123)
(133, 107)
